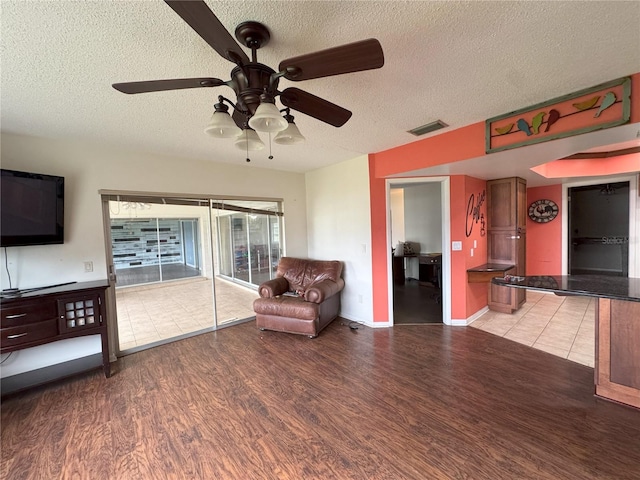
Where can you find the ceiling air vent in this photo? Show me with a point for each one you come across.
(428, 128)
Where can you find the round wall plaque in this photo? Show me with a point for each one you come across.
(543, 211)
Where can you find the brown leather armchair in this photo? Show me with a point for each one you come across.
(303, 298)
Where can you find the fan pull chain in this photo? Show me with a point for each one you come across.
(270, 156)
(246, 143)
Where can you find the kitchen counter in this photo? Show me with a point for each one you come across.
(617, 327)
(620, 288)
(486, 272)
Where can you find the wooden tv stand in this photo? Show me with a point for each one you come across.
(56, 313)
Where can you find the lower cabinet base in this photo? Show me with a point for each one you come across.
(617, 362)
(34, 378)
(505, 299)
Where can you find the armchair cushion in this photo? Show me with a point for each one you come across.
(286, 306)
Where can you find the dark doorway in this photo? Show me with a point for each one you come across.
(599, 229)
(416, 229)
(417, 302)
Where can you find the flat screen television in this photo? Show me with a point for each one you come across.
(31, 209)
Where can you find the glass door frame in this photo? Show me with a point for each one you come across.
(154, 197)
(246, 213)
(634, 219)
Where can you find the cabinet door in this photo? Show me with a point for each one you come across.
(501, 204)
(506, 204)
(79, 312)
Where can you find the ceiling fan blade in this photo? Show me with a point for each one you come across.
(315, 107)
(353, 57)
(199, 17)
(161, 85)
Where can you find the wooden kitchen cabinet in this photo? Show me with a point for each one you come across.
(506, 237)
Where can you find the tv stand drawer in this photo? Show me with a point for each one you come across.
(28, 333)
(28, 312)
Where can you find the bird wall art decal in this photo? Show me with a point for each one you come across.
(524, 126)
(608, 100)
(536, 122)
(504, 130)
(602, 106)
(554, 115)
(587, 104)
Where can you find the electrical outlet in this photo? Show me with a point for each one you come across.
(88, 267)
(456, 246)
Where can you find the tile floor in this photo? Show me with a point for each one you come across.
(562, 326)
(155, 312)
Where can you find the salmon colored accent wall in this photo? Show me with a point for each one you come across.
(379, 253)
(458, 259)
(477, 293)
(590, 167)
(544, 240)
(460, 144)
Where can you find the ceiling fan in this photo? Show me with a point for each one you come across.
(256, 85)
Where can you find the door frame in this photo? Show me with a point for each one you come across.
(634, 219)
(195, 232)
(111, 310)
(445, 206)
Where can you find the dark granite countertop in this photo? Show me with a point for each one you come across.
(492, 267)
(619, 288)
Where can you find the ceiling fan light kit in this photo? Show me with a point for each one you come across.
(291, 135)
(221, 124)
(256, 85)
(267, 118)
(249, 141)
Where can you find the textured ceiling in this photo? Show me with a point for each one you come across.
(461, 62)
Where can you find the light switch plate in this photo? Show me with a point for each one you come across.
(456, 246)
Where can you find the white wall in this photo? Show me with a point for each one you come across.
(396, 205)
(88, 168)
(339, 217)
(423, 216)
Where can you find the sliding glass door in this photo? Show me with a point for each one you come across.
(249, 241)
(184, 266)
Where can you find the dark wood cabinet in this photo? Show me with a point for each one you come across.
(617, 366)
(430, 269)
(506, 237)
(56, 313)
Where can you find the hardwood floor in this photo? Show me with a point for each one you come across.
(415, 304)
(399, 403)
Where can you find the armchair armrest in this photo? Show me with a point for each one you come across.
(320, 291)
(273, 288)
